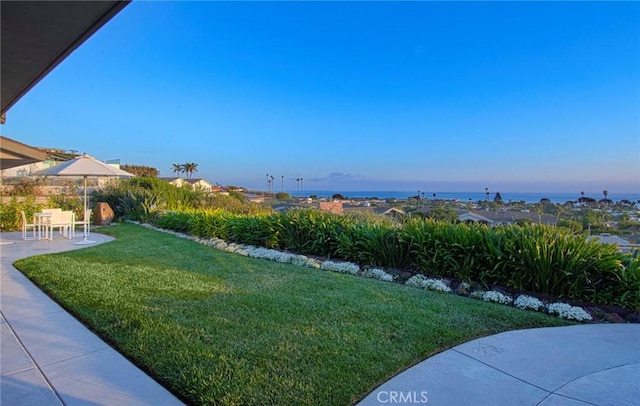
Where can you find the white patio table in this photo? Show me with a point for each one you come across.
(43, 221)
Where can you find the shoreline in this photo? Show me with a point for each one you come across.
(527, 197)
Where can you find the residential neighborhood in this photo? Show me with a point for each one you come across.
(21, 161)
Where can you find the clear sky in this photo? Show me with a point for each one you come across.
(434, 96)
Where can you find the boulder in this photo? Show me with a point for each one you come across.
(102, 214)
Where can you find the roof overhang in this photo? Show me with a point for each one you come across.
(14, 153)
(37, 35)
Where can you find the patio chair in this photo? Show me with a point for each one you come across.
(85, 222)
(26, 225)
(63, 220)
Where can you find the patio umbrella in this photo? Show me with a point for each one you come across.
(85, 166)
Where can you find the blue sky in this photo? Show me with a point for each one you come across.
(435, 96)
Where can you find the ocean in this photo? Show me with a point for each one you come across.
(532, 197)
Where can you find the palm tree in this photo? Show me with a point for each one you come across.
(177, 169)
(605, 193)
(190, 168)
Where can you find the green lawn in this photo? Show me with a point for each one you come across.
(218, 328)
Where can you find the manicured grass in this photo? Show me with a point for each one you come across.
(217, 328)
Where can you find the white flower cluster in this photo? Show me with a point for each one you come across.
(569, 312)
(377, 273)
(272, 255)
(496, 297)
(342, 267)
(417, 281)
(420, 281)
(528, 303)
(478, 294)
(266, 253)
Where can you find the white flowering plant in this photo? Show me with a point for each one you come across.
(496, 297)
(342, 267)
(377, 273)
(528, 303)
(478, 294)
(421, 281)
(566, 311)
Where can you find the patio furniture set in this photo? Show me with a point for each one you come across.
(46, 222)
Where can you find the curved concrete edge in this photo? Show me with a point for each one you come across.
(576, 365)
(50, 358)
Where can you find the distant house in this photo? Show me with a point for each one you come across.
(201, 184)
(334, 207)
(177, 182)
(390, 212)
(494, 218)
(195, 184)
(621, 244)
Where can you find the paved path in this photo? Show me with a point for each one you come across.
(594, 364)
(49, 358)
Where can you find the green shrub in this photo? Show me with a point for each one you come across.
(72, 203)
(10, 217)
(260, 231)
(212, 223)
(173, 220)
(310, 231)
(141, 198)
(372, 244)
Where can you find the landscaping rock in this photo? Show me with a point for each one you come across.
(103, 214)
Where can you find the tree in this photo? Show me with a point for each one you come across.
(446, 214)
(177, 169)
(190, 168)
(497, 198)
(606, 201)
(523, 222)
(539, 207)
(283, 196)
(574, 226)
(140, 170)
(591, 218)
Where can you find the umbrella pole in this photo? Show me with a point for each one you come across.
(84, 213)
(84, 217)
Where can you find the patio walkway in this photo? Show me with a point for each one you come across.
(48, 357)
